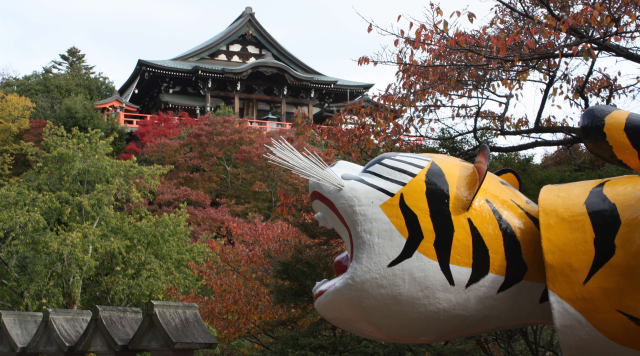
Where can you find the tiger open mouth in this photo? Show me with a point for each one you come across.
(342, 262)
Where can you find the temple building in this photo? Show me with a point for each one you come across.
(244, 68)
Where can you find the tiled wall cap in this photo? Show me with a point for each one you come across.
(59, 331)
(109, 330)
(17, 329)
(172, 326)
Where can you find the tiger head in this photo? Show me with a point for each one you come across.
(429, 255)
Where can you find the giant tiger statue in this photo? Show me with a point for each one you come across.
(437, 248)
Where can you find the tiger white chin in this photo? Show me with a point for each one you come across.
(411, 302)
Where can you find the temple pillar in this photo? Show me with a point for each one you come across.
(310, 112)
(207, 102)
(255, 109)
(283, 111)
(236, 105)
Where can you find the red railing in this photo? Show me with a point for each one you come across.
(133, 120)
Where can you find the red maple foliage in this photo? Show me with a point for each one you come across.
(228, 188)
(223, 159)
(34, 133)
(238, 275)
(163, 126)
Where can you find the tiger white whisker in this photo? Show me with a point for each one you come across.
(308, 165)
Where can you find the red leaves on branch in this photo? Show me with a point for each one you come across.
(361, 132)
(482, 76)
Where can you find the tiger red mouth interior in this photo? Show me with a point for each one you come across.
(342, 262)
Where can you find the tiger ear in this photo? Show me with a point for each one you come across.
(510, 176)
(481, 166)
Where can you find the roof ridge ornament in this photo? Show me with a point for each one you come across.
(248, 10)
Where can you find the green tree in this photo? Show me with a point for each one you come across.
(78, 112)
(75, 232)
(224, 111)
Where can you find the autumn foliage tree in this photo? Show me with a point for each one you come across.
(220, 157)
(239, 273)
(15, 111)
(524, 74)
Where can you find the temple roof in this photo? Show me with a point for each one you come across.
(114, 99)
(251, 48)
(246, 21)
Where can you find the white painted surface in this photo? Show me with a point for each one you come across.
(578, 337)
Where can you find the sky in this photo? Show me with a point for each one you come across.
(327, 35)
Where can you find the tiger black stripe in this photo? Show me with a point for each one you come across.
(605, 221)
(632, 130)
(438, 201)
(390, 180)
(533, 219)
(398, 169)
(516, 266)
(360, 180)
(592, 131)
(415, 233)
(634, 319)
(544, 297)
(480, 254)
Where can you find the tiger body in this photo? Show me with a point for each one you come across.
(437, 248)
(442, 288)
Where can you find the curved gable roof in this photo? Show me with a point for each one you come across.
(246, 20)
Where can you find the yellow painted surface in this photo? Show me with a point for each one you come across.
(511, 179)
(462, 181)
(567, 241)
(617, 138)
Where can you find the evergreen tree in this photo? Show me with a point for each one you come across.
(69, 76)
(64, 93)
